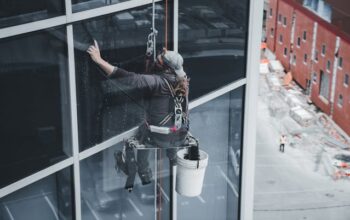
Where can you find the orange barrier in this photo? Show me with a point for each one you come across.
(264, 61)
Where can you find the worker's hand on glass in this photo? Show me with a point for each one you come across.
(94, 52)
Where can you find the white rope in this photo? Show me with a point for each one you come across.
(154, 30)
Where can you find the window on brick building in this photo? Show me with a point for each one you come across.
(270, 12)
(271, 32)
(281, 38)
(316, 55)
(284, 21)
(323, 49)
(340, 100)
(328, 65)
(304, 35)
(294, 61)
(324, 84)
(305, 58)
(346, 79)
(314, 77)
(279, 18)
(298, 42)
(285, 51)
(340, 62)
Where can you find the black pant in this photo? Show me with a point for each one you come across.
(144, 136)
(282, 147)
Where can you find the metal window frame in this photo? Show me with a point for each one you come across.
(74, 122)
(250, 99)
(250, 113)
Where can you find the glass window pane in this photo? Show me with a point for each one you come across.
(212, 40)
(218, 126)
(106, 107)
(324, 84)
(17, 12)
(34, 114)
(81, 5)
(103, 193)
(51, 198)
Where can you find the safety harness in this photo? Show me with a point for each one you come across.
(179, 113)
(126, 160)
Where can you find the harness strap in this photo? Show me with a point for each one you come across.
(166, 118)
(177, 102)
(172, 91)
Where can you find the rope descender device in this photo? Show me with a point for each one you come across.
(151, 39)
(151, 44)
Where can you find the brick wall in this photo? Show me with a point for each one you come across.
(301, 70)
(284, 30)
(341, 114)
(271, 25)
(327, 39)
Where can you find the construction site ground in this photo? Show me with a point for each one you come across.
(306, 181)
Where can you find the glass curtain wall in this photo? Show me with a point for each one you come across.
(34, 114)
(218, 125)
(212, 40)
(81, 5)
(61, 114)
(16, 12)
(51, 198)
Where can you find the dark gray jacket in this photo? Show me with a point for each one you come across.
(155, 90)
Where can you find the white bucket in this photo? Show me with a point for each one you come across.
(190, 174)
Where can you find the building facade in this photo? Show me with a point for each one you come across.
(302, 49)
(62, 119)
(271, 22)
(312, 44)
(341, 113)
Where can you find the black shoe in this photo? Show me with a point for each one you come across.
(145, 176)
(120, 163)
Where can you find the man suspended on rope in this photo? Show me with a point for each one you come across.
(166, 123)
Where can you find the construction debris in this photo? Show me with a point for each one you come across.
(302, 116)
(276, 66)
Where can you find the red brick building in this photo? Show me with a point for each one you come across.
(302, 48)
(315, 47)
(321, 91)
(341, 111)
(283, 33)
(271, 22)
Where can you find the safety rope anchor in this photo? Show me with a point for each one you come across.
(151, 42)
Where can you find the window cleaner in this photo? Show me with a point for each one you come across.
(166, 123)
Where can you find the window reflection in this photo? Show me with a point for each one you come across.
(81, 5)
(48, 199)
(107, 107)
(34, 114)
(218, 125)
(17, 12)
(103, 193)
(212, 38)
